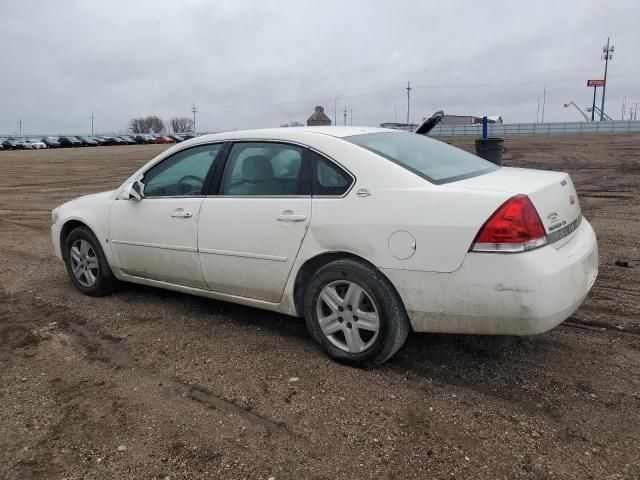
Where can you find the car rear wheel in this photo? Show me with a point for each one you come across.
(86, 264)
(355, 314)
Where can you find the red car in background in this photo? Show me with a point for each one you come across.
(164, 140)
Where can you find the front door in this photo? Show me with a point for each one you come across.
(156, 237)
(250, 232)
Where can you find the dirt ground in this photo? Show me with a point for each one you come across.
(152, 384)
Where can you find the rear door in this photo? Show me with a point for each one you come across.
(251, 228)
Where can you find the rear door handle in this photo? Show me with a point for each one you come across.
(180, 213)
(289, 216)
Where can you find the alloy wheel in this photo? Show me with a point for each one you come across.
(84, 263)
(347, 316)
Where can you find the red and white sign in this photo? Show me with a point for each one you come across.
(595, 83)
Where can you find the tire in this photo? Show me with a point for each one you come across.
(95, 264)
(378, 298)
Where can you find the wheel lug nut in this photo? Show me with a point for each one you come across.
(355, 318)
(349, 325)
(349, 307)
(340, 309)
(340, 319)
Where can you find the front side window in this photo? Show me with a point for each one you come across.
(263, 168)
(182, 174)
(435, 161)
(327, 178)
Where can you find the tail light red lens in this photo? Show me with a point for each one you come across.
(514, 227)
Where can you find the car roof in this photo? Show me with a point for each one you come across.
(293, 133)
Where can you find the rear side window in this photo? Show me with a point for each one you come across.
(434, 161)
(263, 169)
(327, 178)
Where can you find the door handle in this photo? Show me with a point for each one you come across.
(180, 213)
(289, 216)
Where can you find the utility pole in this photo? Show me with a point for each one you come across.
(345, 117)
(635, 111)
(607, 54)
(92, 117)
(544, 101)
(538, 112)
(194, 109)
(335, 109)
(20, 127)
(408, 101)
(351, 117)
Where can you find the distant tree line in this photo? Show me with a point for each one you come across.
(154, 124)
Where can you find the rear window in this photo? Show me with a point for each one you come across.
(431, 159)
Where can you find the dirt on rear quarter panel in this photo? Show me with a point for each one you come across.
(154, 384)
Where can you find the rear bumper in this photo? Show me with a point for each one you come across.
(503, 294)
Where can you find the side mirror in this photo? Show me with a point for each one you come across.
(134, 191)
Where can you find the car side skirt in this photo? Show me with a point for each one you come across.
(284, 307)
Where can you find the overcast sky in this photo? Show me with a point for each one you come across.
(260, 64)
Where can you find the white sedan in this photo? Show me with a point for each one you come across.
(32, 144)
(368, 233)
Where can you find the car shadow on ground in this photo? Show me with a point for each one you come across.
(424, 354)
(506, 368)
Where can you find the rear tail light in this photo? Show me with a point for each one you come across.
(514, 227)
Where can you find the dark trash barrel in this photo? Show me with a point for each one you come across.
(490, 149)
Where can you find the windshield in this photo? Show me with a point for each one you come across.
(431, 159)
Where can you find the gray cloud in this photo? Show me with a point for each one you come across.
(257, 64)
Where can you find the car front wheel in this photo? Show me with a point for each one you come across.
(354, 313)
(87, 265)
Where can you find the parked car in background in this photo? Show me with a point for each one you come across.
(88, 142)
(188, 136)
(177, 138)
(163, 139)
(101, 140)
(113, 141)
(13, 144)
(368, 233)
(67, 142)
(51, 142)
(33, 144)
(127, 140)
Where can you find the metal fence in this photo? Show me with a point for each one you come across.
(557, 128)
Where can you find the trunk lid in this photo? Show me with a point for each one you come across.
(552, 193)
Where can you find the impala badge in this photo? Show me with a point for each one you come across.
(363, 192)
